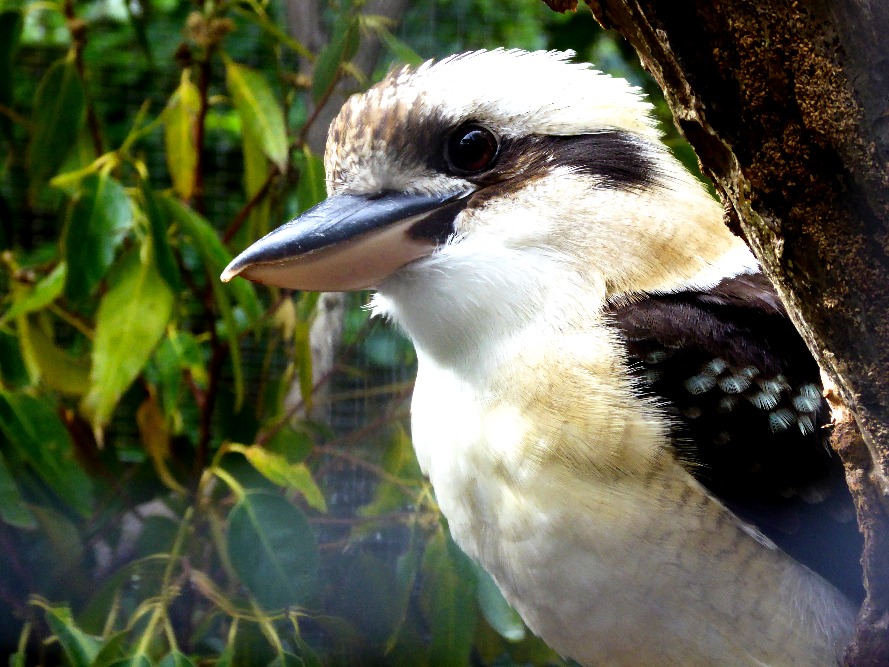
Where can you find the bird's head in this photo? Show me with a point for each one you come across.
(493, 190)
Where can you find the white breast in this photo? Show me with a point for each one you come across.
(609, 567)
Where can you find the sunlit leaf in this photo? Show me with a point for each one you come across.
(448, 597)
(97, 222)
(312, 188)
(57, 368)
(342, 47)
(256, 172)
(273, 550)
(180, 123)
(259, 109)
(80, 648)
(497, 611)
(131, 320)
(276, 468)
(13, 509)
(38, 297)
(58, 118)
(40, 439)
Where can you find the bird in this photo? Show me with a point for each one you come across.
(619, 421)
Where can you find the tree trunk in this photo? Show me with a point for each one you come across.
(787, 105)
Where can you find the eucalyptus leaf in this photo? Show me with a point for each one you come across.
(58, 117)
(276, 468)
(58, 369)
(97, 221)
(38, 297)
(341, 48)
(312, 188)
(496, 610)
(159, 221)
(39, 439)
(448, 594)
(13, 508)
(260, 111)
(131, 321)
(176, 659)
(273, 550)
(180, 125)
(80, 648)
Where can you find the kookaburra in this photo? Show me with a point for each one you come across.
(618, 419)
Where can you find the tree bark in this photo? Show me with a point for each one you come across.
(787, 105)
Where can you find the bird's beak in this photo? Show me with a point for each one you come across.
(350, 242)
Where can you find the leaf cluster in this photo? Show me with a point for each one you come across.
(162, 502)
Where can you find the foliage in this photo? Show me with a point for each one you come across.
(161, 500)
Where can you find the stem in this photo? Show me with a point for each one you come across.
(209, 402)
(204, 72)
(163, 601)
(79, 38)
(255, 200)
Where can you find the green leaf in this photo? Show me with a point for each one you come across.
(40, 439)
(38, 297)
(496, 610)
(138, 660)
(273, 550)
(58, 369)
(113, 650)
(400, 461)
(312, 188)
(158, 219)
(342, 47)
(131, 320)
(13, 509)
(80, 648)
(448, 597)
(180, 123)
(276, 468)
(10, 32)
(400, 49)
(176, 659)
(13, 368)
(256, 172)
(260, 111)
(287, 660)
(214, 256)
(58, 117)
(97, 222)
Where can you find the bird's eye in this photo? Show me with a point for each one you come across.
(471, 149)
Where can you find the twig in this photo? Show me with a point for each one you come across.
(254, 201)
(204, 69)
(78, 30)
